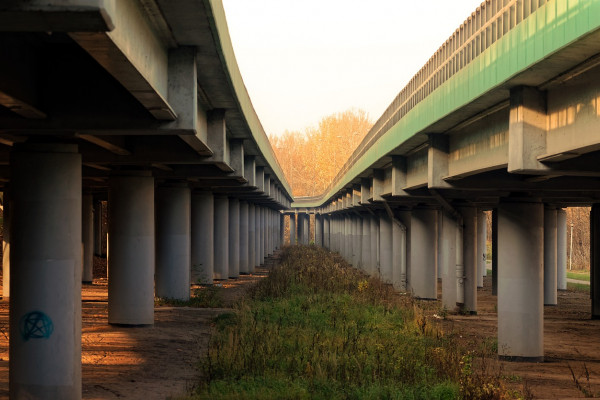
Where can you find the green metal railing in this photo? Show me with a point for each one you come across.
(499, 40)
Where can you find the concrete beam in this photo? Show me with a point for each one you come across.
(250, 170)
(527, 130)
(56, 16)
(437, 161)
(124, 52)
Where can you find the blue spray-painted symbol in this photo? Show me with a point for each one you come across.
(36, 325)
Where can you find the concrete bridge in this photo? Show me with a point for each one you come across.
(504, 117)
(141, 103)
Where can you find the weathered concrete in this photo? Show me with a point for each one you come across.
(173, 242)
(251, 238)
(244, 269)
(87, 239)
(423, 263)
(481, 247)
(447, 260)
(326, 231)
(6, 200)
(292, 229)
(594, 260)
(261, 235)
(131, 255)
(385, 248)
(281, 230)
(366, 262)
(221, 239)
(318, 230)
(234, 237)
(561, 249)
(520, 280)
(398, 256)
(470, 258)
(550, 243)
(45, 302)
(374, 234)
(202, 238)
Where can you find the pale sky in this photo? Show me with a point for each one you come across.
(302, 60)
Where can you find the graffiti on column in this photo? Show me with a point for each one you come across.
(35, 325)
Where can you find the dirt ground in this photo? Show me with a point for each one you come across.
(571, 340)
(160, 361)
(138, 362)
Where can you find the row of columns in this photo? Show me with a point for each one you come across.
(410, 249)
(160, 241)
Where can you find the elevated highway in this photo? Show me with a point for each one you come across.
(505, 116)
(141, 103)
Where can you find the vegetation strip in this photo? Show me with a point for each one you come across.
(318, 328)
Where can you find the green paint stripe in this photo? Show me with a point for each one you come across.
(552, 27)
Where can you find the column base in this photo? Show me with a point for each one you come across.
(521, 359)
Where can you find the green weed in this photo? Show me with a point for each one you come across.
(316, 328)
(204, 297)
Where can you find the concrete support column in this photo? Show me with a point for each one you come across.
(131, 244)
(45, 303)
(292, 229)
(374, 234)
(469, 258)
(594, 260)
(306, 229)
(281, 230)
(261, 229)
(481, 246)
(357, 247)
(251, 238)
(6, 200)
(405, 216)
(366, 261)
(244, 269)
(256, 233)
(221, 266)
(333, 228)
(447, 260)
(327, 232)
(319, 230)
(561, 249)
(520, 280)
(423, 264)
(267, 222)
(550, 220)
(173, 242)
(87, 238)
(495, 251)
(202, 238)
(385, 248)
(234, 238)
(348, 237)
(300, 228)
(98, 236)
(399, 256)
(340, 234)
